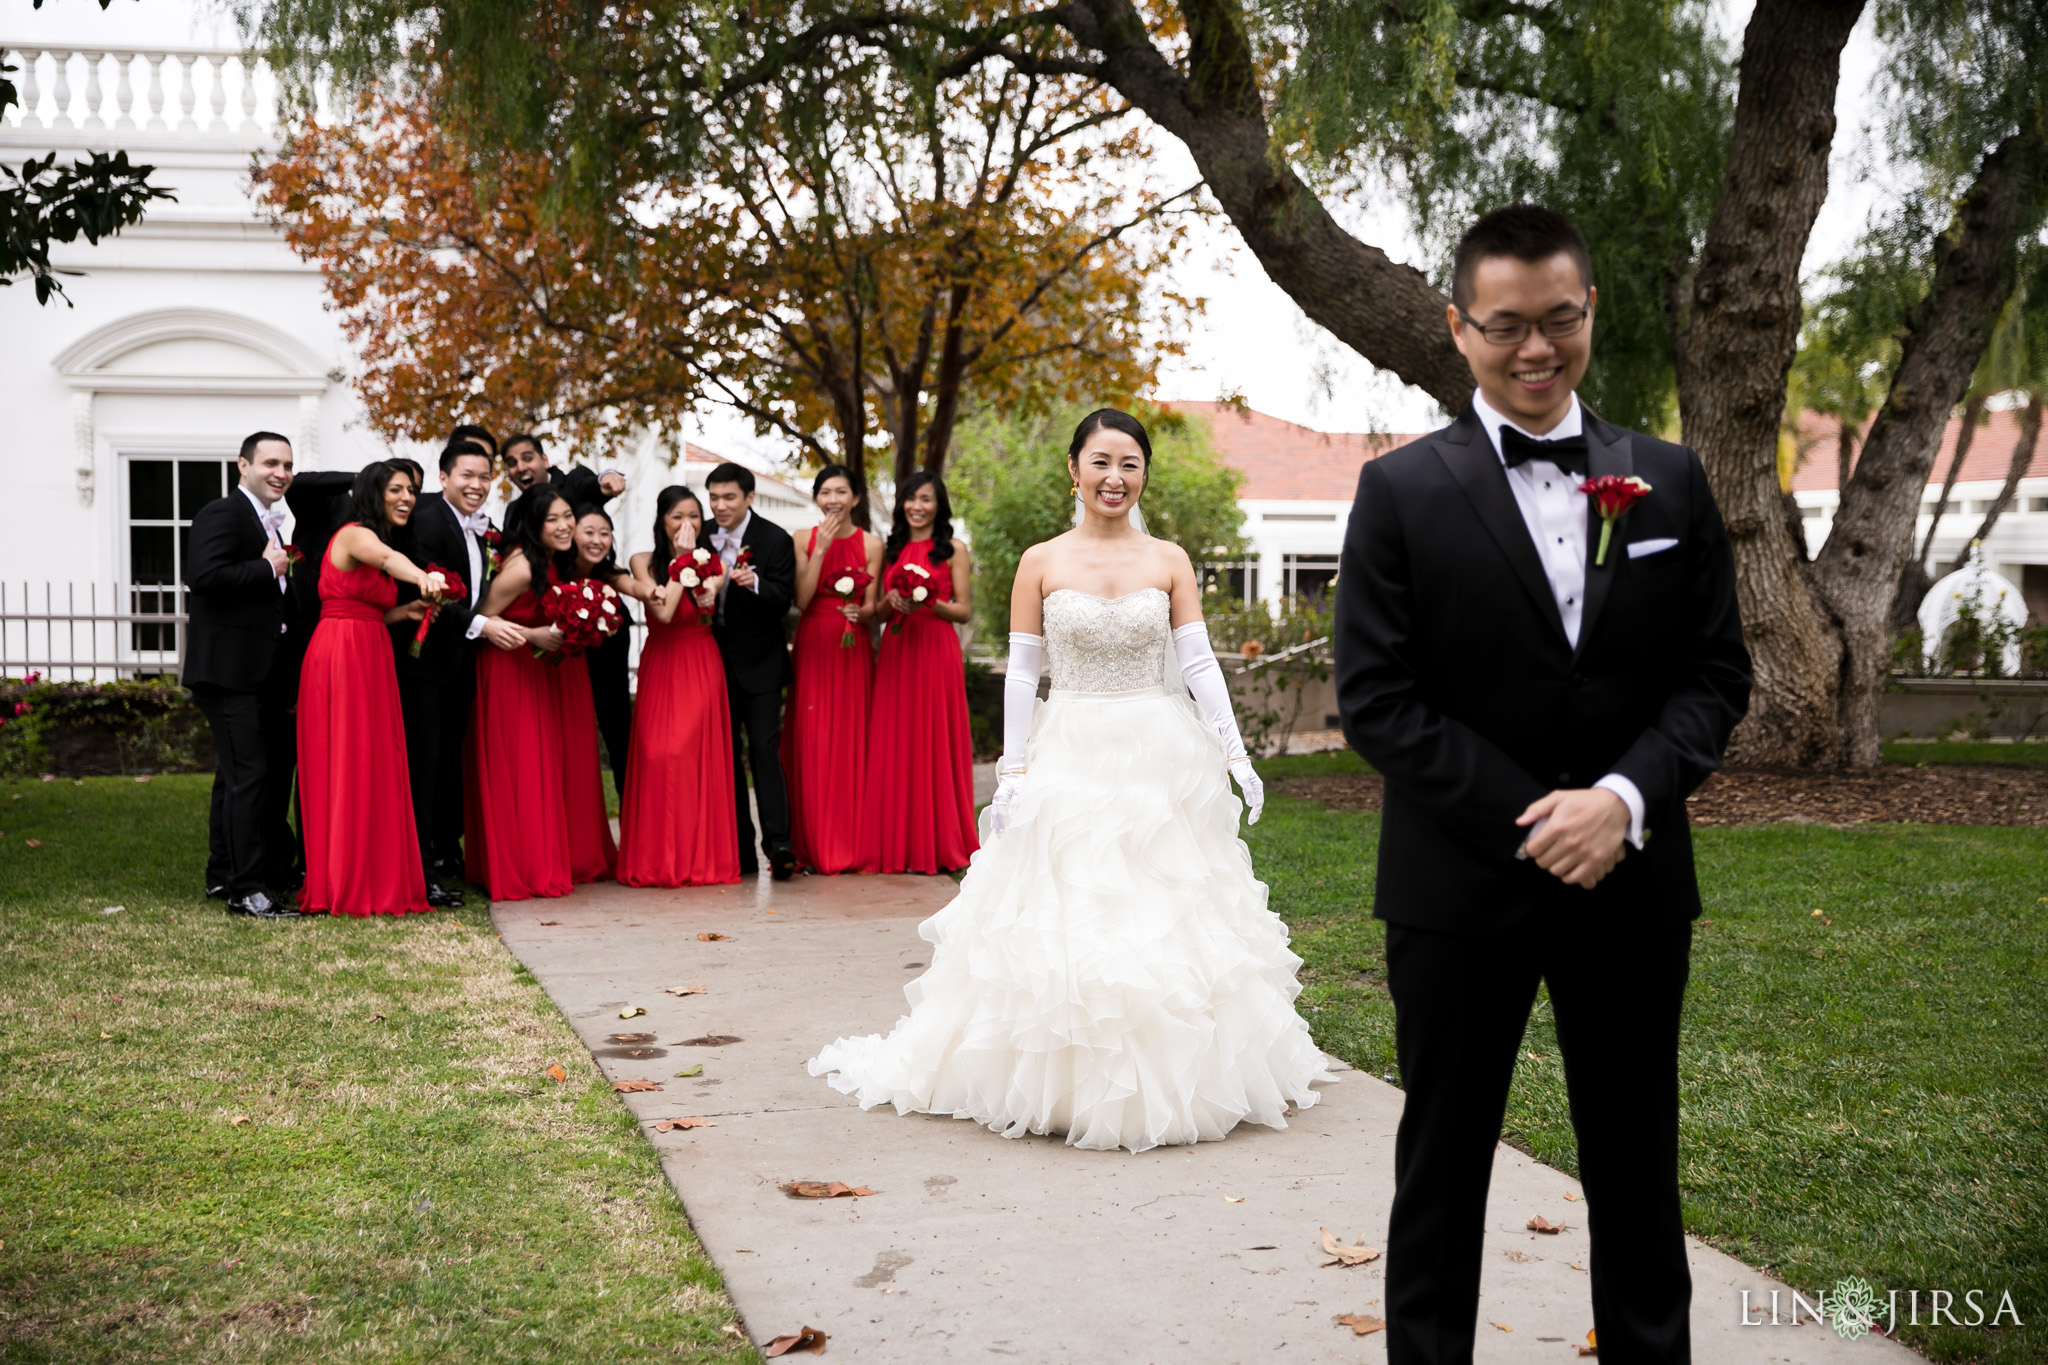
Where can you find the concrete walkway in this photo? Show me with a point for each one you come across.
(975, 1247)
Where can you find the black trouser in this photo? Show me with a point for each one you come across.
(236, 820)
(436, 717)
(611, 694)
(1460, 1006)
(284, 842)
(757, 716)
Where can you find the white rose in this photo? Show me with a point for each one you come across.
(843, 585)
(582, 614)
(688, 578)
(917, 569)
(919, 594)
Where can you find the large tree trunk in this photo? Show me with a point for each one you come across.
(1857, 571)
(2022, 456)
(1388, 313)
(1737, 346)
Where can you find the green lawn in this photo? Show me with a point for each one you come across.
(407, 1186)
(1866, 1096)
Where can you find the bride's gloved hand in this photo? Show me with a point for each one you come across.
(1248, 783)
(1020, 692)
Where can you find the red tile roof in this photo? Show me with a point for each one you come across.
(1284, 462)
(1989, 459)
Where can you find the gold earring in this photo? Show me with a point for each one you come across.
(1075, 491)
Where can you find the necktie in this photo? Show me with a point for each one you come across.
(272, 517)
(1568, 453)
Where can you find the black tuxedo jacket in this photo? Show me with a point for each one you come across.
(319, 502)
(1455, 679)
(750, 635)
(579, 484)
(434, 536)
(234, 610)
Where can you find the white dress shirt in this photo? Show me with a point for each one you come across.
(728, 544)
(273, 518)
(475, 547)
(1555, 512)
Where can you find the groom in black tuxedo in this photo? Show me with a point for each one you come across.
(1540, 714)
(753, 599)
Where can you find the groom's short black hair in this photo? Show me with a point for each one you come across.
(1527, 232)
(731, 473)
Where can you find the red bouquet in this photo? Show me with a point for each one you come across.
(848, 587)
(694, 569)
(454, 591)
(1612, 495)
(585, 611)
(912, 583)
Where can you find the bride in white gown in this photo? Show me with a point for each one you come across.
(1109, 969)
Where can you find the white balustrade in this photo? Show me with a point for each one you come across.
(210, 93)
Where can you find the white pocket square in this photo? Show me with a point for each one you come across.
(1638, 548)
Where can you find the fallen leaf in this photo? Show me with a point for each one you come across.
(686, 990)
(143, 778)
(1361, 1324)
(1541, 1224)
(631, 1087)
(1233, 1199)
(632, 1038)
(720, 938)
(1569, 1195)
(633, 1013)
(1503, 1327)
(824, 1189)
(663, 1125)
(808, 1339)
(35, 843)
(1358, 1253)
(1814, 914)
(709, 1040)
(690, 1071)
(557, 1073)
(1592, 1347)
(549, 923)
(105, 1034)
(1575, 1265)
(238, 1120)
(376, 1018)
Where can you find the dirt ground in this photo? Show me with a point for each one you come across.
(1945, 794)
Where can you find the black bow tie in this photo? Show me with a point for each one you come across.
(1569, 453)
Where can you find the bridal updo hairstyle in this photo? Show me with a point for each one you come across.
(1115, 420)
(942, 521)
(366, 495)
(858, 514)
(664, 548)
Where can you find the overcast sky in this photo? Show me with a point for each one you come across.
(1252, 339)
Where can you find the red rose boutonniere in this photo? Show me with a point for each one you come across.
(1612, 495)
(293, 557)
(494, 551)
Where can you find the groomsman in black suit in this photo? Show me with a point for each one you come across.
(238, 607)
(526, 462)
(1540, 710)
(752, 602)
(435, 690)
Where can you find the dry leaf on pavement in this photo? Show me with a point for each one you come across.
(1592, 1347)
(687, 990)
(630, 1038)
(1233, 1199)
(1361, 1324)
(665, 1124)
(1541, 1224)
(824, 1189)
(720, 938)
(633, 1013)
(556, 1074)
(1569, 1195)
(690, 1071)
(709, 1040)
(807, 1339)
(1358, 1253)
(1503, 1327)
(630, 1087)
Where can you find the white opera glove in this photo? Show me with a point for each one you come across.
(1020, 692)
(1204, 677)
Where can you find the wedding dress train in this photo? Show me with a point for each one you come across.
(1109, 969)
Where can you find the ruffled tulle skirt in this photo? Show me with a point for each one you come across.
(1109, 970)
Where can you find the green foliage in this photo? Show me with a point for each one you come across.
(1617, 115)
(1282, 652)
(139, 725)
(1009, 482)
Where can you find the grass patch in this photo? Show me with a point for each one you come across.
(1863, 1097)
(407, 1185)
(1336, 763)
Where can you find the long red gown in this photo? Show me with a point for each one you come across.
(918, 811)
(516, 815)
(676, 825)
(592, 854)
(355, 798)
(824, 729)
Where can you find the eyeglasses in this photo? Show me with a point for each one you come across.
(1557, 325)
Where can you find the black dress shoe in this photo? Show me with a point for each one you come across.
(441, 898)
(782, 864)
(259, 905)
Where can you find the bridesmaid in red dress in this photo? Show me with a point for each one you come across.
(676, 825)
(592, 854)
(355, 796)
(918, 815)
(824, 729)
(516, 812)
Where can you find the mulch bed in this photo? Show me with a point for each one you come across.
(1944, 794)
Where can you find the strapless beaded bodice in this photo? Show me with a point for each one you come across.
(1106, 644)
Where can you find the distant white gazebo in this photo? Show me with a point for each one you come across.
(1993, 598)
